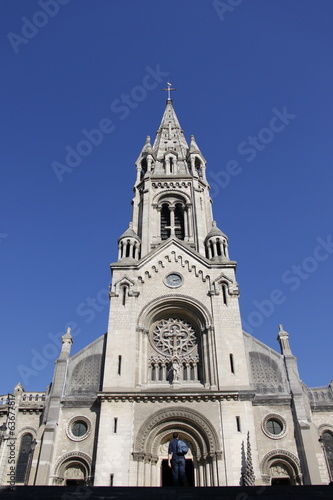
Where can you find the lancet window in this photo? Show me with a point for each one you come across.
(165, 222)
(173, 220)
(23, 458)
(327, 441)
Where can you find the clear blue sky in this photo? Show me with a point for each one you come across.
(68, 66)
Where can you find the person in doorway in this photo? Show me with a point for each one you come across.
(177, 462)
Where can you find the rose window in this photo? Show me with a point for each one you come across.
(174, 337)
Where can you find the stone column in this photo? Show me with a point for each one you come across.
(147, 462)
(185, 224)
(208, 472)
(201, 481)
(215, 254)
(190, 220)
(140, 471)
(144, 357)
(154, 470)
(159, 209)
(172, 221)
(214, 470)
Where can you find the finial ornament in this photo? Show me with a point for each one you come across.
(169, 89)
(281, 330)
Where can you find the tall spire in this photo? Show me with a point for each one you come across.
(170, 139)
(172, 193)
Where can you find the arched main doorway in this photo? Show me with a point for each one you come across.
(204, 459)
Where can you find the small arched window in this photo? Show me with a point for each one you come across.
(224, 294)
(124, 295)
(327, 442)
(198, 166)
(143, 168)
(165, 222)
(179, 221)
(23, 458)
(218, 247)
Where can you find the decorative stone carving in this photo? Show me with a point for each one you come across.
(190, 417)
(174, 337)
(86, 375)
(281, 458)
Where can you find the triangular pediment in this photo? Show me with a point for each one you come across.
(169, 245)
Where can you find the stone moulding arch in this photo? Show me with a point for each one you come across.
(185, 305)
(325, 427)
(72, 457)
(187, 421)
(27, 430)
(162, 196)
(283, 456)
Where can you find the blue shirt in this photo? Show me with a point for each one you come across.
(173, 450)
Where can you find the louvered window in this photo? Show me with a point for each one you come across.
(179, 222)
(165, 222)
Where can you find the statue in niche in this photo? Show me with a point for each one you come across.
(175, 370)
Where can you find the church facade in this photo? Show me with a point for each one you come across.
(175, 358)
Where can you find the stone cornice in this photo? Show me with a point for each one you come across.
(159, 397)
(271, 399)
(328, 406)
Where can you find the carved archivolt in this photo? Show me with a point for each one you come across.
(279, 459)
(194, 311)
(71, 458)
(27, 430)
(184, 420)
(325, 427)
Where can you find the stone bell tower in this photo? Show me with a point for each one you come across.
(175, 356)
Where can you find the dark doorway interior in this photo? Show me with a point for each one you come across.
(278, 481)
(167, 475)
(74, 482)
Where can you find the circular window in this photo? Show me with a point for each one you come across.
(274, 426)
(78, 428)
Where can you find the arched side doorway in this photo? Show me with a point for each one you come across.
(73, 469)
(205, 467)
(280, 467)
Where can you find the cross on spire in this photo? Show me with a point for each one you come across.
(169, 89)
